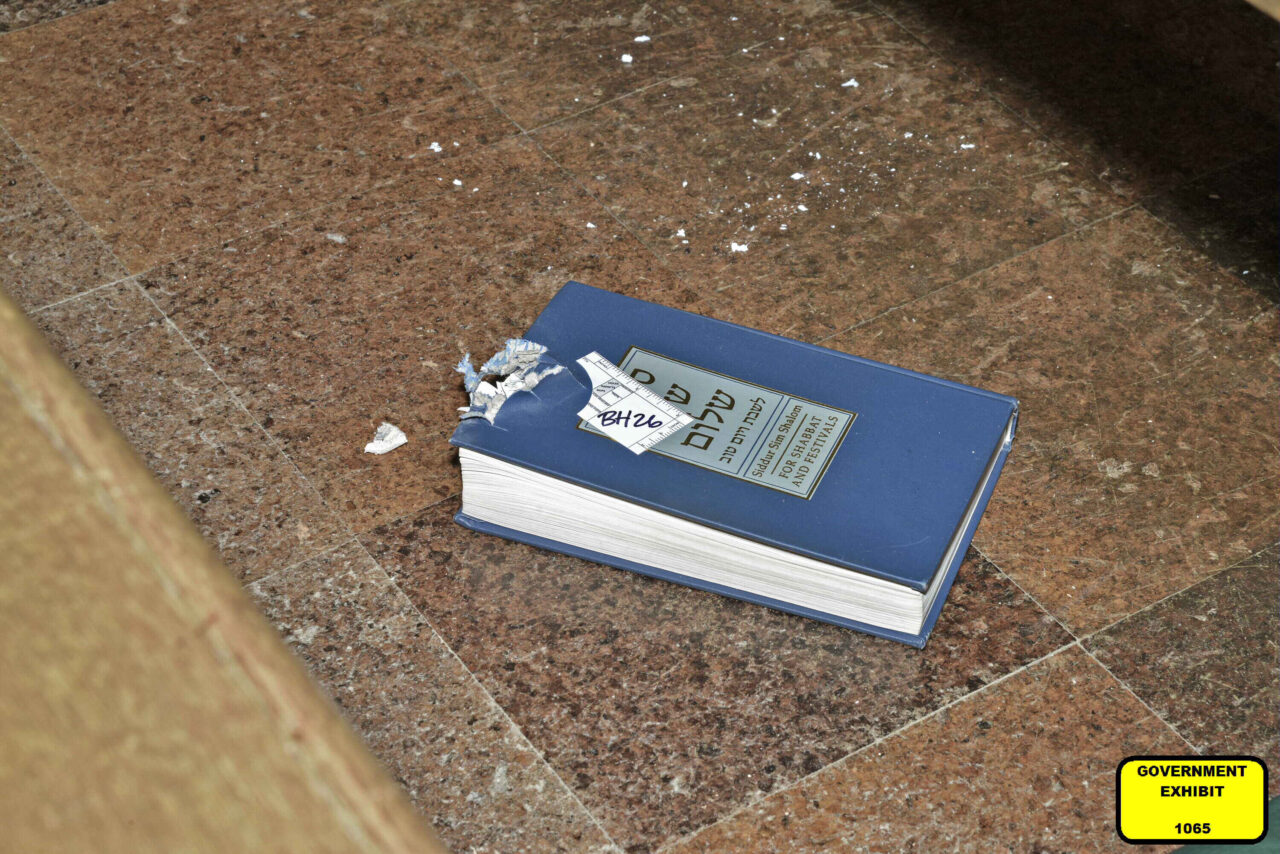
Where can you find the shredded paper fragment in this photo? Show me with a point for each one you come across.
(519, 366)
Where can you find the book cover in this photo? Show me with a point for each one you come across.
(861, 465)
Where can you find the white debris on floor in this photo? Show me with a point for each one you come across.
(386, 438)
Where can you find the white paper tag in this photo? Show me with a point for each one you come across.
(625, 411)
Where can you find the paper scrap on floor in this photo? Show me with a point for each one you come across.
(386, 438)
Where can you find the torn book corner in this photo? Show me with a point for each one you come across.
(519, 366)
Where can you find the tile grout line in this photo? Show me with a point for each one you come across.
(1024, 592)
(47, 22)
(1017, 115)
(1142, 203)
(435, 634)
(353, 538)
(667, 846)
(1024, 119)
(484, 691)
(502, 712)
(965, 278)
(339, 518)
(192, 252)
(607, 102)
(342, 522)
(276, 573)
(1080, 642)
(1200, 176)
(198, 249)
(1125, 685)
(724, 60)
(1136, 204)
(1077, 642)
(187, 342)
(617, 218)
(134, 278)
(680, 276)
(1194, 584)
(1059, 147)
(582, 188)
(1076, 230)
(425, 41)
(528, 135)
(57, 191)
(609, 212)
(718, 59)
(93, 290)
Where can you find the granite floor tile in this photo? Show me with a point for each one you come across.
(1145, 93)
(330, 324)
(460, 759)
(1233, 216)
(777, 168)
(326, 200)
(225, 473)
(543, 61)
(1146, 455)
(665, 707)
(555, 82)
(47, 253)
(1027, 765)
(490, 31)
(1208, 660)
(170, 129)
(16, 14)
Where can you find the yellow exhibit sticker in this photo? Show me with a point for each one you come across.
(1191, 799)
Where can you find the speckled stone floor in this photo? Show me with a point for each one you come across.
(256, 229)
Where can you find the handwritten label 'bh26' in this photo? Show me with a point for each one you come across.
(740, 429)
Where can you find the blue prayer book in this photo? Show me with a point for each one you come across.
(805, 479)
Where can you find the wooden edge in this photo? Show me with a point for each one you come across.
(194, 580)
(1270, 7)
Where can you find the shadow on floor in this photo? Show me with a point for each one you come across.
(1172, 101)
